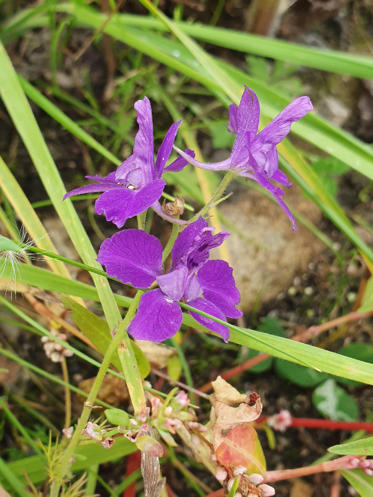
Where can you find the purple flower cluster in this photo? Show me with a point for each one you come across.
(137, 183)
(135, 257)
(255, 155)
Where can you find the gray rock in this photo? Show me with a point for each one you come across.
(267, 254)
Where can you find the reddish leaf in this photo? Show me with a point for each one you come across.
(241, 447)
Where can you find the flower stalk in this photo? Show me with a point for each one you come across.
(120, 335)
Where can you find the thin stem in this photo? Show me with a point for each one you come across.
(285, 474)
(80, 265)
(217, 195)
(65, 375)
(171, 241)
(118, 337)
(141, 219)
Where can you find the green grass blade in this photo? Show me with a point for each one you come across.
(29, 218)
(328, 60)
(24, 120)
(9, 476)
(65, 121)
(283, 348)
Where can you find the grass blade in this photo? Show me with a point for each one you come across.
(24, 120)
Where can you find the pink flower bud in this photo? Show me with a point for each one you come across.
(267, 490)
(182, 398)
(220, 474)
(255, 478)
(68, 432)
(239, 470)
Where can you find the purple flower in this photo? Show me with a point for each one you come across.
(135, 257)
(254, 155)
(136, 185)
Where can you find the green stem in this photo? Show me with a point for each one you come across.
(217, 195)
(141, 218)
(120, 335)
(171, 241)
(80, 265)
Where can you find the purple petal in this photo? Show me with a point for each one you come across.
(143, 148)
(276, 130)
(165, 149)
(95, 188)
(245, 116)
(193, 289)
(218, 285)
(277, 193)
(132, 256)
(281, 178)
(180, 162)
(173, 284)
(110, 178)
(213, 166)
(120, 204)
(193, 245)
(210, 308)
(157, 318)
(185, 241)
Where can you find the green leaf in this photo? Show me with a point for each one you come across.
(98, 332)
(357, 350)
(330, 166)
(273, 327)
(20, 111)
(304, 377)
(361, 482)
(174, 367)
(220, 137)
(86, 456)
(362, 447)
(117, 417)
(334, 403)
(367, 302)
(327, 60)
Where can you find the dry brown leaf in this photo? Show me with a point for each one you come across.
(9, 372)
(156, 353)
(226, 414)
(113, 390)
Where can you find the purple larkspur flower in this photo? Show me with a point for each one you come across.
(135, 257)
(254, 155)
(137, 183)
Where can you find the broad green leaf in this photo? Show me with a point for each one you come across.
(304, 377)
(334, 403)
(363, 447)
(98, 332)
(361, 482)
(367, 302)
(20, 111)
(117, 417)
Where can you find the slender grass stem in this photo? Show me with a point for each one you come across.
(65, 375)
(170, 243)
(120, 335)
(217, 195)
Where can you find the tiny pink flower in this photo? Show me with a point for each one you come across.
(280, 421)
(182, 398)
